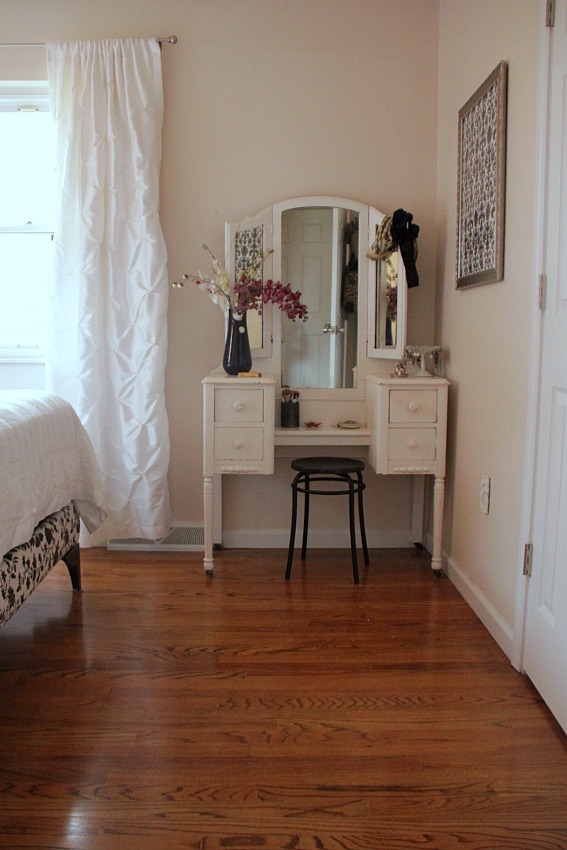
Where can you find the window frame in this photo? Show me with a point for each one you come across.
(24, 96)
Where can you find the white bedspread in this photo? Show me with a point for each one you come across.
(46, 461)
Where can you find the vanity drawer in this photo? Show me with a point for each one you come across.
(239, 405)
(241, 444)
(413, 406)
(412, 444)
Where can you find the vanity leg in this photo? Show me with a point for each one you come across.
(417, 508)
(217, 512)
(438, 502)
(208, 506)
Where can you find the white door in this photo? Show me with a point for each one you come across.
(307, 265)
(545, 651)
(337, 377)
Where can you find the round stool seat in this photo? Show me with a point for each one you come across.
(328, 465)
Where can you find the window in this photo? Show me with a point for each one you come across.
(27, 215)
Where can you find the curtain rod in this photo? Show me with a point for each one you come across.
(170, 39)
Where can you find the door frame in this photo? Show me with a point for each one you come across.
(530, 454)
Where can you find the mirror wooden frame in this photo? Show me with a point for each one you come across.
(368, 352)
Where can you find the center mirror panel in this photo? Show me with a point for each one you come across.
(319, 256)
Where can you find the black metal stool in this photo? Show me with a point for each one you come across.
(341, 470)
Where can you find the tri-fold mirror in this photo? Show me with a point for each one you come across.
(356, 305)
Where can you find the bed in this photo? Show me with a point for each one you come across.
(49, 482)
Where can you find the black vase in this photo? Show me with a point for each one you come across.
(237, 355)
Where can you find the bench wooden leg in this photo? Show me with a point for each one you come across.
(73, 561)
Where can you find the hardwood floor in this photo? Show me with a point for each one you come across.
(162, 709)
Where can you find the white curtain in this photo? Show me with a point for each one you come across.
(107, 344)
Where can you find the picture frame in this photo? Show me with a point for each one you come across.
(482, 182)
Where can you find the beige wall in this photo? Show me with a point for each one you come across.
(276, 100)
(487, 329)
(267, 100)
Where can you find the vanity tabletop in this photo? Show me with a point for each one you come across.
(241, 380)
(409, 381)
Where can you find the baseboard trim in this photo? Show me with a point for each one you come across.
(191, 538)
(500, 630)
(267, 538)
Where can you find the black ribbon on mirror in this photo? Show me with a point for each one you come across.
(404, 233)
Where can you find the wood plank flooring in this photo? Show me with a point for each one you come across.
(162, 709)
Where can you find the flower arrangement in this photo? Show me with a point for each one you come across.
(248, 293)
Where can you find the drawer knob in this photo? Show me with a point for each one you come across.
(412, 444)
(413, 406)
(238, 444)
(238, 404)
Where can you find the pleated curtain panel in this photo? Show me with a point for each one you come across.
(107, 345)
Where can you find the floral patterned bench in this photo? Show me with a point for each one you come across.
(55, 539)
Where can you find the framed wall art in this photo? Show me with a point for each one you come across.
(482, 183)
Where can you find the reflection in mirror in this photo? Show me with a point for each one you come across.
(319, 256)
(386, 335)
(249, 260)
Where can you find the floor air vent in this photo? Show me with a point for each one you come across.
(181, 538)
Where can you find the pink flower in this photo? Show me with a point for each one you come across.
(251, 294)
(247, 293)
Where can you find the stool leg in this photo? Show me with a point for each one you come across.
(352, 532)
(293, 527)
(305, 519)
(361, 520)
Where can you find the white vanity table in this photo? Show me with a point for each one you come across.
(342, 359)
(406, 436)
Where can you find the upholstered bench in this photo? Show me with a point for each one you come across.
(55, 539)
